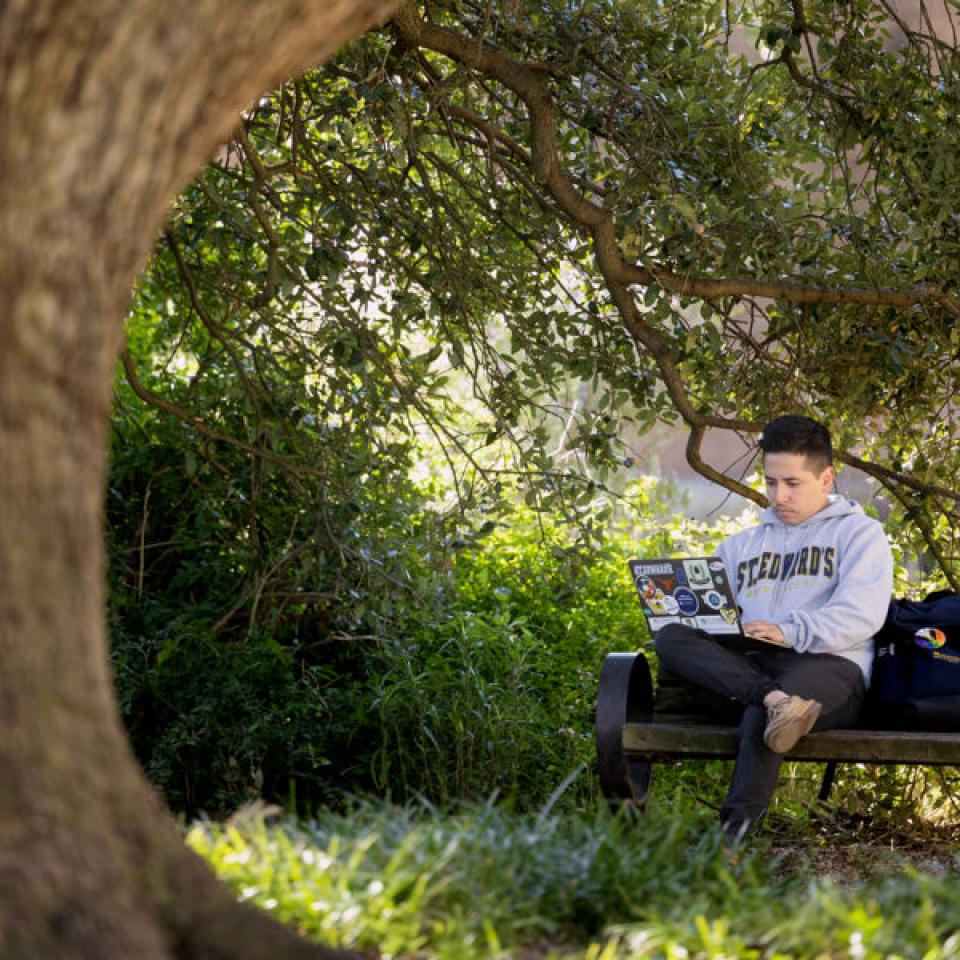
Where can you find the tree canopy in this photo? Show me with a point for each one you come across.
(709, 212)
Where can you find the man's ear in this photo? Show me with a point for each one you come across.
(828, 478)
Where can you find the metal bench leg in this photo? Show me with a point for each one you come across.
(639, 774)
(826, 784)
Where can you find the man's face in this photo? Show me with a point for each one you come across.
(794, 489)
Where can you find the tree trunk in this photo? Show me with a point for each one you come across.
(106, 109)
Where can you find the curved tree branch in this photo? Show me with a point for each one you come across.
(198, 424)
(598, 222)
(889, 477)
(694, 441)
(529, 86)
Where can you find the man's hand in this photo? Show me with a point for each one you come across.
(765, 630)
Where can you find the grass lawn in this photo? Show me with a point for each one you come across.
(487, 883)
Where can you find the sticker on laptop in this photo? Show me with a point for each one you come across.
(698, 573)
(714, 600)
(686, 600)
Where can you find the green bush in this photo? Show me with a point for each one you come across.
(241, 627)
(469, 678)
(499, 695)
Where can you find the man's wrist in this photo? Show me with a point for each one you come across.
(789, 631)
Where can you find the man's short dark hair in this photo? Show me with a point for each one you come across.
(792, 433)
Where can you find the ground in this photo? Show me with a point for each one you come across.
(849, 849)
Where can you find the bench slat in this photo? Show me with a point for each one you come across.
(682, 740)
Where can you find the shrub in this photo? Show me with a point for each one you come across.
(499, 695)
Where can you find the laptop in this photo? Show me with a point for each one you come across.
(694, 591)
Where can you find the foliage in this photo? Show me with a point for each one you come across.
(242, 601)
(474, 679)
(485, 883)
(617, 215)
(500, 696)
(462, 267)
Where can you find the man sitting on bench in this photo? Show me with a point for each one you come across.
(813, 581)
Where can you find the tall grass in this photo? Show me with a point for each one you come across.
(499, 692)
(486, 884)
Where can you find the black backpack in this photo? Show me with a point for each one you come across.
(916, 672)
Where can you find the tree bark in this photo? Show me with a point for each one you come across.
(106, 109)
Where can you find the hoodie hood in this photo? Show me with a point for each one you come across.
(837, 506)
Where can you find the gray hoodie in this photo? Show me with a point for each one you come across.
(826, 582)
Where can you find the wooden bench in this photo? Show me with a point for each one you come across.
(634, 730)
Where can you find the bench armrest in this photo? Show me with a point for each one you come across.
(625, 696)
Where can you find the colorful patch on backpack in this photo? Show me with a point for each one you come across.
(930, 638)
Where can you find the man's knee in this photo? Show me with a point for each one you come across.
(671, 639)
(831, 680)
(667, 637)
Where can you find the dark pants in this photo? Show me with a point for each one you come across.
(746, 671)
